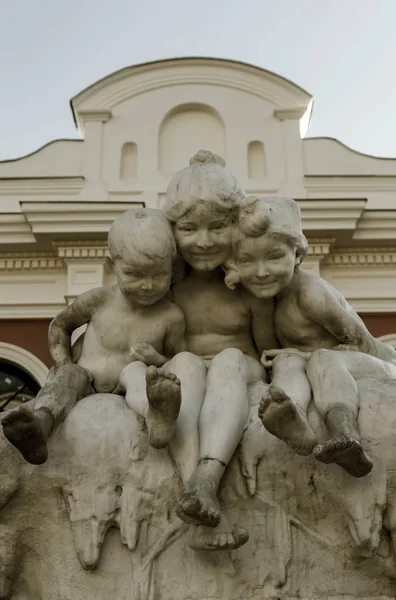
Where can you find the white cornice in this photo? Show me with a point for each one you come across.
(73, 217)
(30, 311)
(316, 184)
(88, 250)
(14, 229)
(362, 257)
(37, 186)
(95, 115)
(129, 82)
(319, 248)
(376, 225)
(373, 305)
(292, 113)
(331, 214)
(35, 262)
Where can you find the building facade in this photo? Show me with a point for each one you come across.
(138, 126)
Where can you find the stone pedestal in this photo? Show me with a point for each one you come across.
(97, 521)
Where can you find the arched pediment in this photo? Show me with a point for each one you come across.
(101, 97)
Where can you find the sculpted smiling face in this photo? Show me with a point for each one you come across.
(141, 279)
(203, 236)
(265, 264)
(142, 250)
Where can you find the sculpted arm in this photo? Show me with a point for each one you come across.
(321, 305)
(173, 342)
(62, 327)
(263, 326)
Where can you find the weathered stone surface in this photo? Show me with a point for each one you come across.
(106, 499)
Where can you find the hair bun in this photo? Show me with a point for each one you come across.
(206, 157)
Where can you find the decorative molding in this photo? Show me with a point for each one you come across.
(334, 215)
(36, 262)
(26, 360)
(285, 114)
(318, 247)
(376, 224)
(135, 80)
(31, 311)
(37, 186)
(349, 183)
(389, 338)
(95, 115)
(14, 229)
(373, 305)
(85, 250)
(73, 217)
(362, 257)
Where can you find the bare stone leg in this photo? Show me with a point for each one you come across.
(164, 398)
(199, 504)
(287, 421)
(28, 431)
(344, 447)
(221, 538)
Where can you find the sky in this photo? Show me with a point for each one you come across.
(341, 51)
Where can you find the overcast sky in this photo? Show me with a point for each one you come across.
(341, 51)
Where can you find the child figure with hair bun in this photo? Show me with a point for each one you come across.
(311, 318)
(223, 346)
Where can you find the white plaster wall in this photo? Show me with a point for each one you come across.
(327, 156)
(59, 158)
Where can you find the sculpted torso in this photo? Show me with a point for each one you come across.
(216, 317)
(111, 332)
(294, 325)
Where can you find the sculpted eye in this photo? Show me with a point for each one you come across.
(276, 256)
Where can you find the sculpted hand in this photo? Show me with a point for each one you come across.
(147, 354)
(347, 348)
(268, 355)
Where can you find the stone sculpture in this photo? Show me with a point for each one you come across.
(169, 385)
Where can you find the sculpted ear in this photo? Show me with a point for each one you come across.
(232, 277)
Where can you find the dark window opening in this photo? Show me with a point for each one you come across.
(16, 386)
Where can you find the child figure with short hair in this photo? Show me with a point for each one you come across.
(310, 315)
(129, 321)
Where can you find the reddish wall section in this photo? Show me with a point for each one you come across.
(30, 334)
(380, 324)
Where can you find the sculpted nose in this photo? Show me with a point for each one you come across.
(147, 284)
(203, 240)
(261, 270)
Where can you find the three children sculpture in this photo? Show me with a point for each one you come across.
(184, 352)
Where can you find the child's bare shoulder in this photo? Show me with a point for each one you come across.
(313, 290)
(171, 310)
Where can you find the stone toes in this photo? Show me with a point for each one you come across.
(151, 373)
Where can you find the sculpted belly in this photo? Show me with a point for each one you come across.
(208, 345)
(105, 368)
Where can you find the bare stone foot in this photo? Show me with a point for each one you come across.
(221, 538)
(346, 452)
(284, 419)
(199, 505)
(28, 433)
(164, 397)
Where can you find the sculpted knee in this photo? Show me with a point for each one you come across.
(230, 356)
(319, 360)
(188, 359)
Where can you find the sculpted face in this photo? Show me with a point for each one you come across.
(265, 265)
(141, 279)
(203, 236)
